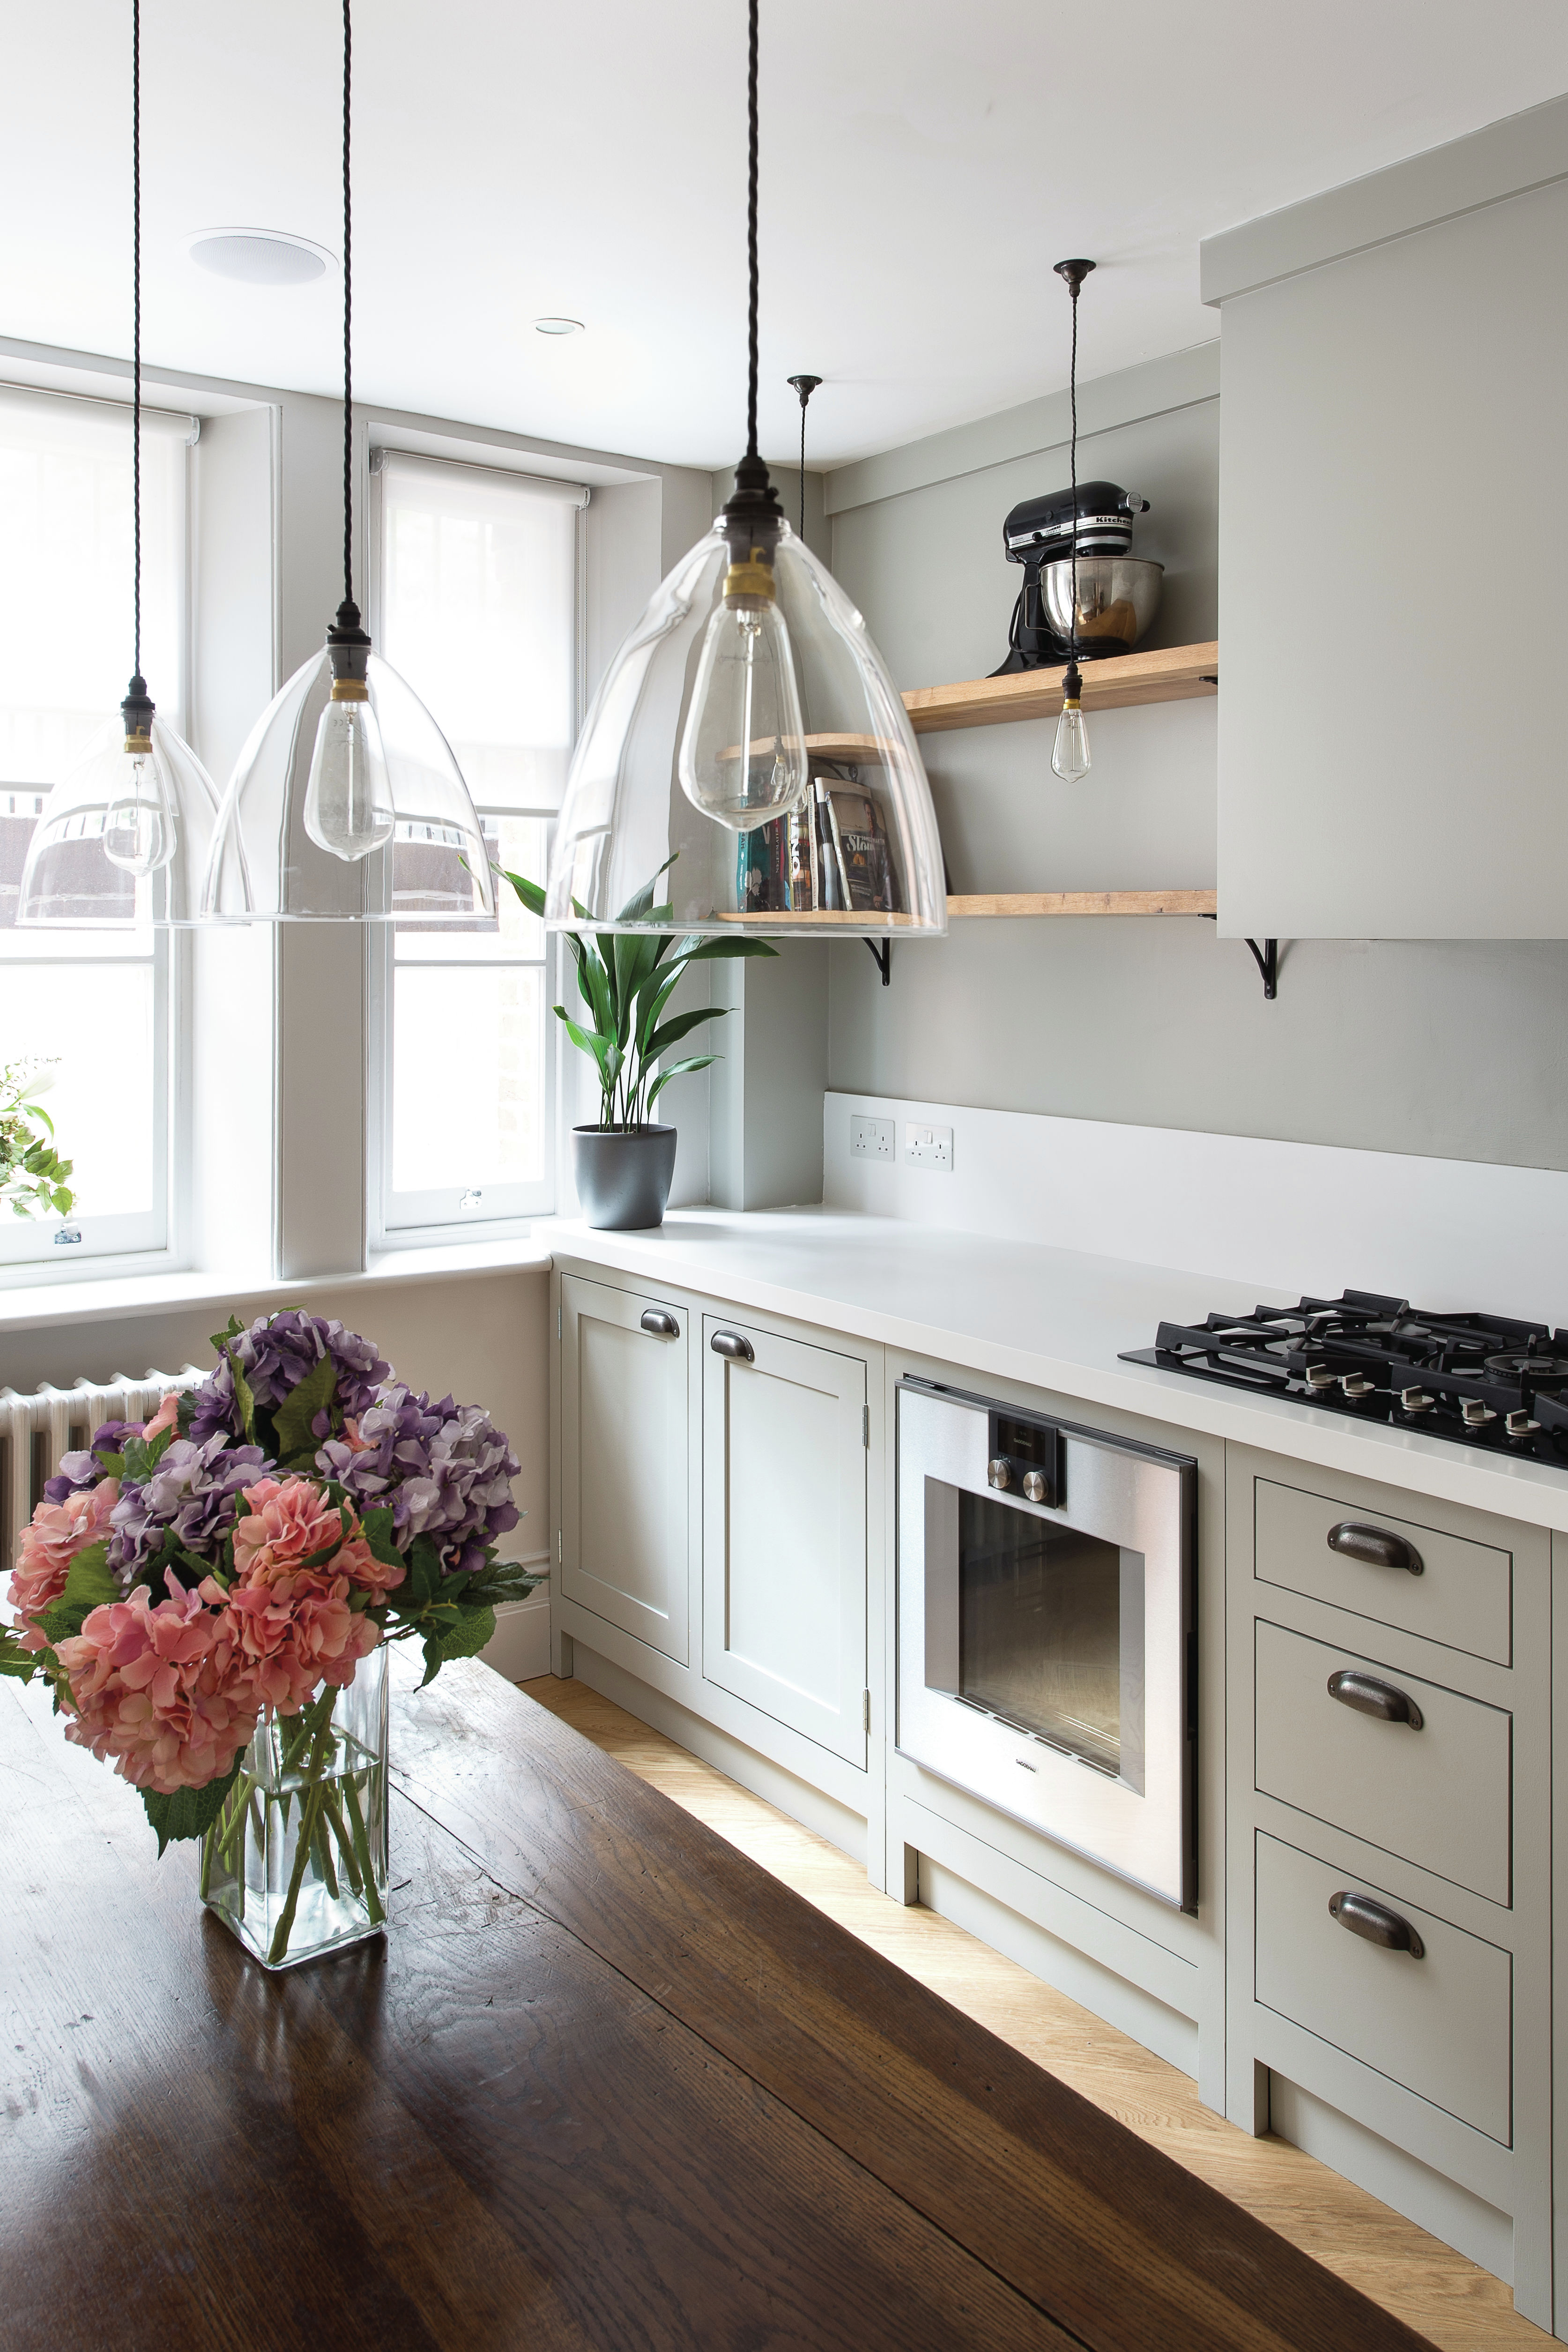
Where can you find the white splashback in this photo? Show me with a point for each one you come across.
(1285, 1217)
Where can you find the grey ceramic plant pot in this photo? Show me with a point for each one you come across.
(623, 1174)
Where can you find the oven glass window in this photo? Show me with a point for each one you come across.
(1050, 1632)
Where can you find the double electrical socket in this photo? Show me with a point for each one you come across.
(870, 1139)
(929, 1147)
(877, 1139)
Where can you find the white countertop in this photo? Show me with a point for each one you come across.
(1054, 1319)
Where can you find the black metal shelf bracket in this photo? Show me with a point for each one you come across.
(1267, 959)
(882, 955)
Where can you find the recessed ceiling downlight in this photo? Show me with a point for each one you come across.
(259, 256)
(557, 326)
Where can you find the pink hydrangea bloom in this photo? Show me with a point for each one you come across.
(47, 1549)
(166, 1417)
(294, 1624)
(166, 1692)
(290, 1520)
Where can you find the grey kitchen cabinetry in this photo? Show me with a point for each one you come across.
(624, 1424)
(784, 1437)
(1388, 1931)
(1386, 770)
(717, 1538)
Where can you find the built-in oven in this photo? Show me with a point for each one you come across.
(1047, 1660)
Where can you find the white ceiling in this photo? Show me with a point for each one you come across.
(922, 166)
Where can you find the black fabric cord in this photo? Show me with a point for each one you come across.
(750, 236)
(136, 318)
(802, 473)
(1072, 383)
(348, 318)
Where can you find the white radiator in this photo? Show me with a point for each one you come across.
(35, 1431)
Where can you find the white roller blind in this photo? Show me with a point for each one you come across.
(67, 639)
(477, 611)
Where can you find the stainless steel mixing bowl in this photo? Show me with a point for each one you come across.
(1118, 596)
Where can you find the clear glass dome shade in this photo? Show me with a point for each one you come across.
(125, 839)
(828, 831)
(406, 843)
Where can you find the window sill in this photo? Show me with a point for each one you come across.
(121, 1298)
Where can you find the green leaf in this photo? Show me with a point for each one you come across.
(13, 1659)
(475, 1630)
(142, 1455)
(221, 1338)
(679, 1070)
(424, 1574)
(530, 892)
(88, 1586)
(189, 1812)
(378, 1530)
(293, 1417)
(245, 1402)
(680, 1025)
(727, 951)
(639, 908)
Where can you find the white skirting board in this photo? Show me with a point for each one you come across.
(1287, 1218)
(520, 1649)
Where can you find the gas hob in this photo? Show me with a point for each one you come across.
(1481, 1380)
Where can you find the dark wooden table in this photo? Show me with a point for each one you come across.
(606, 2083)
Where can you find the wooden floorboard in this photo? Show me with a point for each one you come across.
(1459, 2306)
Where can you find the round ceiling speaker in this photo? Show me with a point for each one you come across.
(259, 256)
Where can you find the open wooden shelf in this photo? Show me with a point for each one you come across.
(1084, 902)
(1176, 674)
(1027, 902)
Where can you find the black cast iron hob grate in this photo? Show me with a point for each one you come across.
(1481, 1380)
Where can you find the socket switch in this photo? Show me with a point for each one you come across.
(872, 1139)
(929, 1147)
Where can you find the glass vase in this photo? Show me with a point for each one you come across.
(296, 1863)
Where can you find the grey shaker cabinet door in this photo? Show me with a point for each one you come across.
(784, 1531)
(624, 1436)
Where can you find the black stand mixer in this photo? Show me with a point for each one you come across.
(1038, 535)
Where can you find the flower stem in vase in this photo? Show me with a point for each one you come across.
(310, 1811)
(362, 1848)
(345, 1847)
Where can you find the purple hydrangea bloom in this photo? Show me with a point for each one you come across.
(77, 1472)
(445, 1469)
(275, 1355)
(193, 1495)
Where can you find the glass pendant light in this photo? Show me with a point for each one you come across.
(346, 802)
(1070, 753)
(125, 837)
(747, 745)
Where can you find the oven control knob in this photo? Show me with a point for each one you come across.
(999, 1473)
(1034, 1485)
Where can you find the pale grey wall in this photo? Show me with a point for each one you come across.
(1451, 1049)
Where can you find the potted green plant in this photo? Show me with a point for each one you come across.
(624, 1165)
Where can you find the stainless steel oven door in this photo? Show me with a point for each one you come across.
(1045, 1650)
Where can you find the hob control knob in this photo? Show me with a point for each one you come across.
(999, 1473)
(1034, 1485)
(1320, 1377)
(1476, 1415)
(1415, 1399)
(1518, 1424)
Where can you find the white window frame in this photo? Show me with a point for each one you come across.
(412, 1221)
(33, 1250)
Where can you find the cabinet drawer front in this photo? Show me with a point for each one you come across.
(784, 1530)
(624, 1426)
(1462, 1598)
(1439, 1796)
(1441, 2025)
